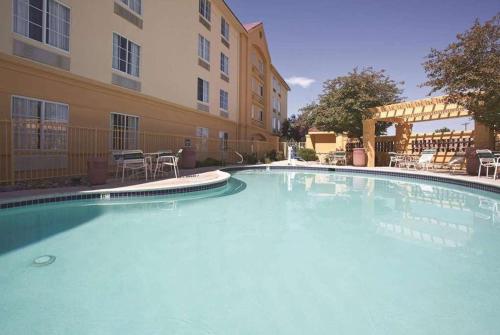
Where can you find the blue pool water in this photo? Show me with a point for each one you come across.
(273, 253)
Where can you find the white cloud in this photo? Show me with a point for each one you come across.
(300, 81)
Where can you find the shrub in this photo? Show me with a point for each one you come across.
(307, 154)
(208, 162)
(250, 158)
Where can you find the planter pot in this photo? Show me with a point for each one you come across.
(97, 170)
(188, 159)
(359, 157)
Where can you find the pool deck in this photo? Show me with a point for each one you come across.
(210, 175)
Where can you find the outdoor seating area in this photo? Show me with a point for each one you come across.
(135, 163)
(487, 160)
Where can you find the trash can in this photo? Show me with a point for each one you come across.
(359, 157)
(472, 162)
(97, 170)
(188, 158)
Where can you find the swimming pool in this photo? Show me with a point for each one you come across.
(273, 252)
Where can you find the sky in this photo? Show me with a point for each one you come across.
(314, 40)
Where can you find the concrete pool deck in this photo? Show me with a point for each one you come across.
(211, 175)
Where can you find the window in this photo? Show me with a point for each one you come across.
(224, 64)
(135, 5)
(126, 55)
(276, 86)
(204, 48)
(39, 125)
(203, 90)
(46, 21)
(224, 100)
(261, 90)
(206, 9)
(260, 66)
(261, 115)
(124, 131)
(257, 113)
(202, 134)
(223, 137)
(224, 29)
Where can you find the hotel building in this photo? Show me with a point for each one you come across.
(188, 68)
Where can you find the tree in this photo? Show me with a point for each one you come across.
(295, 128)
(468, 71)
(442, 130)
(345, 101)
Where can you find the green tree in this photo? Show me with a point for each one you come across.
(345, 101)
(442, 130)
(295, 128)
(468, 71)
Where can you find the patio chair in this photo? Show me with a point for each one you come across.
(424, 161)
(456, 162)
(134, 160)
(396, 159)
(117, 156)
(487, 160)
(167, 159)
(336, 157)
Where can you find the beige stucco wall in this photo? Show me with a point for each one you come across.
(169, 47)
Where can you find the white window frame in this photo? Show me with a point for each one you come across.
(42, 123)
(224, 64)
(44, 25)
(203, 134)
(224, 29)
(203, 48)
(205, 91)
(126, 131)
(224, 100)
(205, 9)
(127, 3)
(126, 60)
(224, 138)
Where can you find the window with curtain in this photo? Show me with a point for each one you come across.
(224, 100)
(203, 90)
(134, 5)
(39, 124)
(46, 21)
(126, 55)
(206, 9)
(224, 29)
(204, 48)
(224, 64)
(124, 131)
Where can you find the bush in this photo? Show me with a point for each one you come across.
(250, 158)
(208, 162)
(307, 154)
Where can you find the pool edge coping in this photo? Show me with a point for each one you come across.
(121, 192)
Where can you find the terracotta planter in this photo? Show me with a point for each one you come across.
(359, 157)
(97, 170)
(188, 159)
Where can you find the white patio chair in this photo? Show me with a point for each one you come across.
(487, 160)
(336, 157)
(170, 161)
(396, 159)
(456, 162)
(425, 160)
(134, 160)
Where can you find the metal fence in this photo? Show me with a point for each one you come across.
(31, 151)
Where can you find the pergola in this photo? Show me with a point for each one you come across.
(406, 113)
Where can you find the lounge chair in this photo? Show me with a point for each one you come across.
(456, 162)
(133, 160)
(425, 160)
(487, 160)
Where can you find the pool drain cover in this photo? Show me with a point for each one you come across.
(44, 260)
